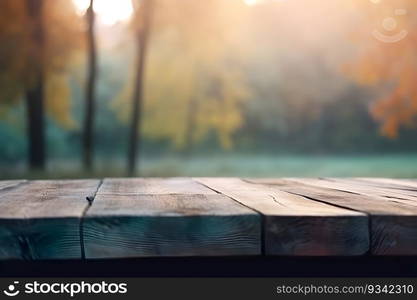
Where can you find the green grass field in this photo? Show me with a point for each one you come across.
(401, 166)
(396, 166)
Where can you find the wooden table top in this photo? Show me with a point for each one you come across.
(151, 217)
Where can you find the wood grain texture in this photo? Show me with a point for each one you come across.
(294, 225)
(153, 186)
(359, 187)
(171, 220)
(138, 217)
(402, 184)
(40, 219)
(394, 184)
(384, 190)
(7, 184)
(393, 223)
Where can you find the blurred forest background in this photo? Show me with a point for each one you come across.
(208, 88)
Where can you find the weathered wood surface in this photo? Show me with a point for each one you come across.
(360, 187)
(6, 184)
(393, 221)
(41, 219)
(153, 186)
(294, 225)
(405, 184)
(138, 217)
(172, 217)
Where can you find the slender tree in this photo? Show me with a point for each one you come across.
(202, 88)
(88, 136)
(39, 39)
(35, 91)
(190, 125)
(143, 13)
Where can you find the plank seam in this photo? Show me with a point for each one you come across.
(90, 200)
(393, 186)
(347, 208)
(327, 203)
(251, 208)
(308, 197)
(360, 193)
(214, 190)
(377, 188)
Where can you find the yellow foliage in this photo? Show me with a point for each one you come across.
(63, 36)
(193, 84)
(58, 99)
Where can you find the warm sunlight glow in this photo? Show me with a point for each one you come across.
(256, 2)
(109, 12)
(251, 2)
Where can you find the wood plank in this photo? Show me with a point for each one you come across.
(385, 190)
(63, 187)
(7, 184)
(353, 186)
(41, 219)
(403, 184)
(168, 221)
(153, 186)
(294, 225)
(393, 223)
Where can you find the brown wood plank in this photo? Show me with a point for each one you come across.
(354, 186)
(153, 186)
(41, 219)
(172, 217)
(393, 223)
(294, 225)
(403, 184)
(384, 190)
(6, 184)
(64, 187)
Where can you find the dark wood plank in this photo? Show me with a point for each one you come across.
(294, 225)
(167, 218)
(41, 219)
(393, 223)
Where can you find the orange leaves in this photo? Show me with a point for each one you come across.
(390, 66)
(398, 109)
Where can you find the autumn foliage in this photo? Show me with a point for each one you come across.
(389, 66)
(19, 57)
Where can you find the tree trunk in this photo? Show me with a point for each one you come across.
(88, 134)
(35, 90)
(190, 126)
(145, 10)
